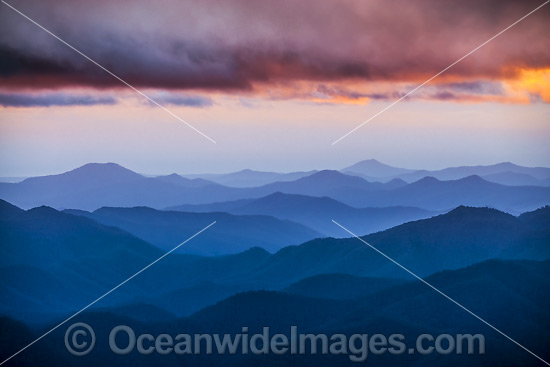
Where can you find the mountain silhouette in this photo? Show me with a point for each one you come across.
(178, 180)
(319, 183)
(433, 194)
(55, 262)
(373, 169)
(250, 178)
(513, 179)
(316, 212)
(340, 286)
(94, 186)
(231, 234)
(506, 294)
(455, 173)
(505, 173)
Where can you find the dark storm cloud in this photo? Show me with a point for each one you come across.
(225, 45)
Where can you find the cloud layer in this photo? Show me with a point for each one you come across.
(52, 99)
(253, 46)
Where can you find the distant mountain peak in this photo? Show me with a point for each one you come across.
(471, 211)
(43, 210)
(427, 179)
(328, 173)
(101, 166)
(254, 252)
(506, 164)
(396, 182)
(107, 169)
(8, 210)
(96, 164)
(464, 208)
(332, 176)
(371, 161)
(375, 168)
(279, 196)
(474, 179)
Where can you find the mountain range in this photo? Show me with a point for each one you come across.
(503, 173)
(316, 212)
(46, 252)
(249, 178)
(67, 239)
(97, 185)
(505, 293)
(231, 234)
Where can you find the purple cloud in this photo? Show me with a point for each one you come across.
(52, 99)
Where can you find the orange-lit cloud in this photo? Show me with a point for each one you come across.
(534, 82)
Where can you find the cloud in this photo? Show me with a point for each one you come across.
(535, 83)
(363, 93)
(247, 45)
(181, 99)
(52, 99)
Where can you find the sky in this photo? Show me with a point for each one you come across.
(274, 83)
